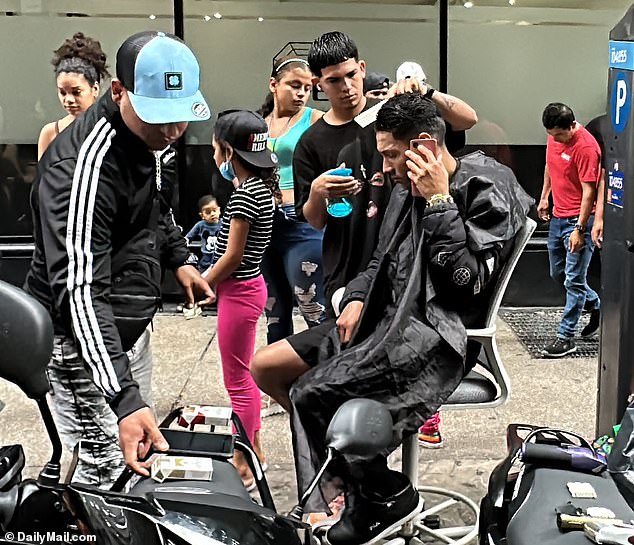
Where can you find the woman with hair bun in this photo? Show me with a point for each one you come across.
(80, 67)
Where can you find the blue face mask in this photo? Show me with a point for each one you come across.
(226, 171)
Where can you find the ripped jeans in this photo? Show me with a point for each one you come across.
(81, 412)
(293, 272)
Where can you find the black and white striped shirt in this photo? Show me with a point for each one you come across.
(253, 202)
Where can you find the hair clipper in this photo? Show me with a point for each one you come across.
(562, 457)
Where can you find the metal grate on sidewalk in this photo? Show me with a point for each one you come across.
(536, 327)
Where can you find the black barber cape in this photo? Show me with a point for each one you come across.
(409, 351)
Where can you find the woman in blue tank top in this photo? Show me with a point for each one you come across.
(292, 263)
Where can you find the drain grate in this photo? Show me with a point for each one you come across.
(536, 327)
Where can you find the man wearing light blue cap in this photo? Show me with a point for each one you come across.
(101, 237)
(161, 76)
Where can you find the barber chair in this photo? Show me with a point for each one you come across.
(487, 386)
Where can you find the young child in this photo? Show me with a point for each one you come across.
(241, 153)
(206, 230)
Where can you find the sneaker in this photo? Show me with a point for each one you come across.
(270, 407)
(559, 348)
(593, 323)
(369, 521)
(429, 433)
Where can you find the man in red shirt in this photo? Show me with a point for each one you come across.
(573, 167)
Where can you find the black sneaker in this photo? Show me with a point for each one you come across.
(559, 348)
(368, 521)
(593, 323)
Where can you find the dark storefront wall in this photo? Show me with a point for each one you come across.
(506, 61)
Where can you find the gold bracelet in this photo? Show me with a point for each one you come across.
(439, 198)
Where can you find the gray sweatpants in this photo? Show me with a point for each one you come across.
(81, 412)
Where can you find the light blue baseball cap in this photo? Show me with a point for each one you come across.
(162, 77)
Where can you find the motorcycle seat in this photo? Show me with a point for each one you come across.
(536, 522)
(225, 486)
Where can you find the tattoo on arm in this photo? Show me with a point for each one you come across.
(448, 102)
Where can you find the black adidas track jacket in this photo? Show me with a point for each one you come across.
(100, 237)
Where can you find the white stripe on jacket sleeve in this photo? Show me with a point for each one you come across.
(80, 258)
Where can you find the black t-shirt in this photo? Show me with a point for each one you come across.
(348, 242)
(454, 140)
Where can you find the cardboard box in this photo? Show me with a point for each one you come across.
(205, 414)
(166, 466)
(206, 428)
(223, 430)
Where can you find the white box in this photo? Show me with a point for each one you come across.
(204, 414)
(167, 466)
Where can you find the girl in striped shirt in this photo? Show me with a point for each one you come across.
(241, 153)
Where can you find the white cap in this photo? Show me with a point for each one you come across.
(410, 69)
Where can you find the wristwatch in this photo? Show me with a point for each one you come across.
(430, 92)
(437, 199)
(580, 228)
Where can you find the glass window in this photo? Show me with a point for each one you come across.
(28, 99)
(31, 30)
(236, 42)
(508, 61)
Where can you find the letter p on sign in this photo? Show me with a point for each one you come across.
(620, 102)
(621, 97)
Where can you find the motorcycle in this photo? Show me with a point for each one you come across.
(138, 510)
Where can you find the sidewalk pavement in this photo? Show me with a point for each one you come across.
(559, 393)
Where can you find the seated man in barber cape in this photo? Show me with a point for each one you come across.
(449, 228)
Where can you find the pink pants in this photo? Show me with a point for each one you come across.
(240, 304)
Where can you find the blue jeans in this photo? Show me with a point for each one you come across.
(570, 270)
(293, 272)
(205, 261)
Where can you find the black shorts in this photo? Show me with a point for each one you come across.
(316, 343)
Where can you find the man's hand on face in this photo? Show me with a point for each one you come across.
(328, 186)
(193, 284)
(137, 433)
(427, 172)
(348, 320)
(575, 242)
